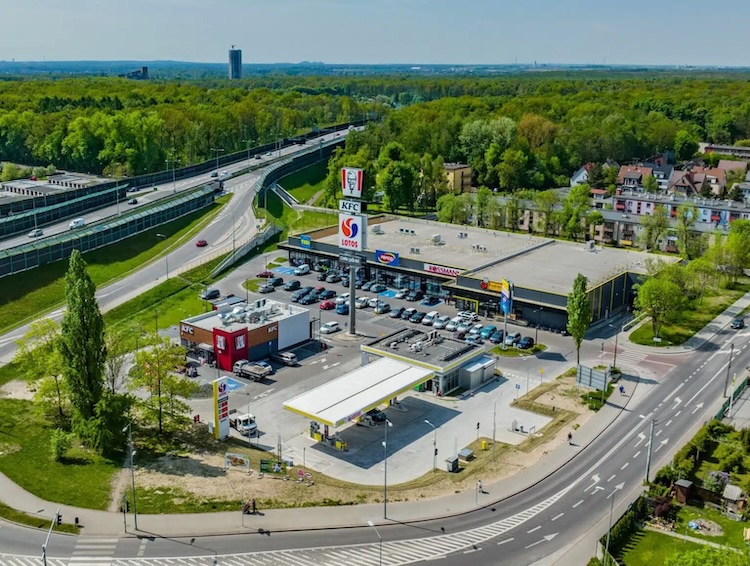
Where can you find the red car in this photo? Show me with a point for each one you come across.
(328, 305)
(265, 274)
(201, 243)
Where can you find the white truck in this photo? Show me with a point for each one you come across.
(249, 370)
(244, 424)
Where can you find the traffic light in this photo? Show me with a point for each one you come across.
(58, 516)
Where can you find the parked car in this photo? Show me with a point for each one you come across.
(333, 278)
(430, 317)
(366, 286)
(330, 327)
(378, 288)
(397, 312)
(512, 338)
(286, 358)
(209, 294)
(406, 315)
(525, 343)
(362, 302)
(292, 285)
(373, 302)
(133, 201)
(382, 308)
(327, 294)
(322, 276)
(266, 288)
(415, 296)
(417, 317)
(303, 269)
(401, 293)
(430, 301)
(377, 415)
(342, 308)
(276, 281)
(497, 337)
(475, 339)
(475, 330)
(459, 335)
(468, 315)
(265, 274)
(488, 331)
(441, 322)
(358, 283)
(319, 290)
(309, 299)
(345, 282)
(300, 293)
(201, 243)
(342, 298)
(738, 323)
(464, 326)
(327, 305)
(453, 323)
(35, 233)
(266, 365)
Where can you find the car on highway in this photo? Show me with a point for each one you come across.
(430, 301)
(378, 288)
(512, 338)
(258, 156)
(265, 274)
(415, 296)
(201, 243)
(35, 233)
(214, 174)
(488, 331)
(497, 337)
(738, 323)
(525, 343)
(453, 323)
(373, 302)
(333, 278)
(276, 281)
(292, 285)
(326, 294)
(133, 201)
(223, 174)
(330, 327)
(476, 329)
(397, 312)
(417, 317)
(309, 299)
(269, 154)
(382, 308)
(342, 298)
(441, 322)
(401, 293)
(362, 302)
(327, 305)
(266, 288)
(342, 308)
(406, 315)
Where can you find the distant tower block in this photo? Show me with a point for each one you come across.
(235, 63)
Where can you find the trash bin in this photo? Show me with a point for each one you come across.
(451, 464)
(484, 445)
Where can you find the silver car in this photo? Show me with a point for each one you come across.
(441, 322)
(464, 327)
(453, 323)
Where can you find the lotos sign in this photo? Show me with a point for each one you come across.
(351, 182)
(352, 232)
(441, 270)
(386, 258)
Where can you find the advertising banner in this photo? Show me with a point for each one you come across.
(492, 286)
(506, 296)
(352, 232)
(386, 258)
(305, 242)
(351, 182)
(221, 407)
(441, 270)
(236, 461)
(352, 206)
(272, 467)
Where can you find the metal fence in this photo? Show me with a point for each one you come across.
(100, 234)
(733, 398)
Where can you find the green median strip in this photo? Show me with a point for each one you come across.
(20, 518)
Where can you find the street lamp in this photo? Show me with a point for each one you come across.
(218, 150)
(494, 421)
(389, 424)
(380, 539)
(248, 142)
(617, 335)
(536, 330)
(129, 428)
(434, 445)
(166, 255)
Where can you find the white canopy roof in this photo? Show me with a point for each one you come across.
(350, 396)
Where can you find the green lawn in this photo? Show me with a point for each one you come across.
(36, 521)
(253, 284)
(294, 221)
(83, 479)
(512, 352)
(28, 294)
(692, 318)
(647, 548)
(732, 529)
(305, 183)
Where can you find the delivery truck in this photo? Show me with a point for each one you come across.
(244, 424)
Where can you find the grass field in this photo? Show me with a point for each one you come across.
(305, 183)
(294, 221)
(28, 294)
(692, 318)
(36, 521)
(732, 529)
(647, 548)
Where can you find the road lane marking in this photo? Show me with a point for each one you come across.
(577, 504)
(658, 432)
(534, 529)
(611, 478)
(506, 540)
(625, 465)
(636, 454)
(673, 393)
(556, 517)
(669, 422)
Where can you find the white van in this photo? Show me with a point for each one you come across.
(303, 269)
(430, 317)
(77, 223)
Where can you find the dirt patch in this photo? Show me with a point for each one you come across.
(706, 527)
(16, 389)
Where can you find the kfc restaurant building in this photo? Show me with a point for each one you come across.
(245, 331)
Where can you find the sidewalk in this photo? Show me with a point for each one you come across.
(103, 523)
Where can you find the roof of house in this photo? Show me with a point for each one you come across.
(728, 165)
(732, 493)
(683, 483)
(454, 166)
(633, 172)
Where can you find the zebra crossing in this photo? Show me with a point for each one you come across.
(93, 551)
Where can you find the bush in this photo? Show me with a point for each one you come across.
(663, 507)
(666, 476)
(731, 458)
(59, 443)
(716, 481)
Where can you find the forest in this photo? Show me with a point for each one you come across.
(515, 132)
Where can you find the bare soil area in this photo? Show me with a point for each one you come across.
(16, 389)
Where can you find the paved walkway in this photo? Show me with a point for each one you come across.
(688, 538)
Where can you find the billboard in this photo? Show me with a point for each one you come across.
(352, 232)
(351, 182)
(506, 296)
(386, 258)
(305, 242)
(221, 407)
(441, 270)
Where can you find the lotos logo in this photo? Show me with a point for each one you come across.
(223, 387)
(349, 228)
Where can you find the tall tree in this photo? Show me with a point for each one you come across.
(685, 145)
(650, 184)
(687, 214)
(512, 171)
(654, 226)
(738, 249)
(545, 202)
(660, 299)
(82, 339)
(397, 181)
(484, 195)
(579, 313)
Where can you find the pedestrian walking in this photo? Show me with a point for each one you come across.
(479, 486)
(255, 509)
(570, 438)
(622, 390)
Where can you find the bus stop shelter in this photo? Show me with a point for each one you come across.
(350, 396)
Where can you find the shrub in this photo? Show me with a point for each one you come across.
(666, 476)
(663, 507)
(716, 481)
(59, 443)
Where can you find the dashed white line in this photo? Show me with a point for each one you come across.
(611, 478)
(577, 504)
(506, 540)
(534, 529)
(669, 422)
(636, 454)
(658, 432)
(625, 465)
(677, 414)
(556, 517)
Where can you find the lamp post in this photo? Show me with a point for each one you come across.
(536, 330)
(388, 424)
(494, 421)
(617, 335)
(218, 150)
(434, 445)
(129, 428)
(380, 539)
(174, 178)
(248, 142)
(166, 255)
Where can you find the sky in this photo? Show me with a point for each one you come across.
(664, 32)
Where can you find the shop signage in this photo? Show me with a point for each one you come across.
(186, 329)
(352, 206)
(386, 258)
(351, 182)
(351, 259)
(221, 407)
(272, 329)
(441, 270)
(239, 342)
(305, 242)
(506, 296)
(221, 342)
(492, 286)
(352, 232)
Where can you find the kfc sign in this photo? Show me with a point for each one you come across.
(441, 270)
(272, 329)
(352, 232)
(187, 329)
(351, 182)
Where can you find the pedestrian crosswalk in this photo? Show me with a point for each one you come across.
(93, 551)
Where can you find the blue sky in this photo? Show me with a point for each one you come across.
(669, 32)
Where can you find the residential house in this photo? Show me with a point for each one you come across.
(686, 183)
(633, 176)
(662, 172)
(600, 197)
(714, 177)
(458, 176)
(581, 176)
(734, 150)
(664, 158)
(728, 165)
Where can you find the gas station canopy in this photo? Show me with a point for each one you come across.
(350, 396)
